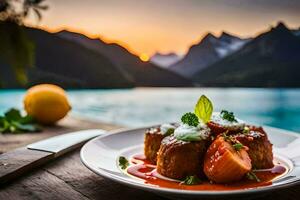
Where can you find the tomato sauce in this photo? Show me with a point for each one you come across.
(142, 169)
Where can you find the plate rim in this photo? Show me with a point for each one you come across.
(154, 189)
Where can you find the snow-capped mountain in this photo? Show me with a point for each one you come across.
(228, 44)
(165, 60)
(271, 59)
(208, 51)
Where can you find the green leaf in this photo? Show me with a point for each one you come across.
(170, 131)
(1, 120)
(13, 115)
(27, 120)
(238, 146)
(12, 129)
(123, 162)
(14, 122)
(4, 125)
(191, 180)
(26, 127)
(190, 119)
(204, 109)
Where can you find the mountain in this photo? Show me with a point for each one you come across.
(228, 44)
(141, 73)
(208, 51)
(164, 60)
(272, 59)
(296, 32)
(62, 62)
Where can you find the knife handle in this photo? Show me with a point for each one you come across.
(15, 163)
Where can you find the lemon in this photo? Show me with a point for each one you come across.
(46, 103)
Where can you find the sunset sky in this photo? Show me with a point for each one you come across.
(147, 26)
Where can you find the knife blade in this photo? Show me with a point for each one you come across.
(17, 162)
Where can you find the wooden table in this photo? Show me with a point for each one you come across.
(67, 178)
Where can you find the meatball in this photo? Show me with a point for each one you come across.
(218, 129)
(153, 138)
(178, 159)
(260, 148)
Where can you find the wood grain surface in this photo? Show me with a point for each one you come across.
(13, 141)
(67, 178)
(22, 160)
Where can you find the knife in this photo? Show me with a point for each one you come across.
(17, 162)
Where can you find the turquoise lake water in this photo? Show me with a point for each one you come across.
(145, 106)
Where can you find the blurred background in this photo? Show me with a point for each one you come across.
(137, 63)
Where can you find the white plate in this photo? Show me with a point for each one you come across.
(101, 156)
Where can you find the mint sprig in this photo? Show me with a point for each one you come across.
(204, 109)
(14, 122)
(190, 119)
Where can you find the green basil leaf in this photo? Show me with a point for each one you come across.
(204, 109)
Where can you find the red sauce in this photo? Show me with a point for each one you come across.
(142, 169)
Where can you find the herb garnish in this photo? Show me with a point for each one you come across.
(233, 141)
(170, 131)
(191, 180)
(204, 109)
(226, 137)
(123, 162)
(252, 176)
(238, 146)
(246, 130)
(229, 116)
(14, 122)
(190, 119)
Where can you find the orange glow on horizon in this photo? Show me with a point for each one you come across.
(149, 27)
(151, 42)
(144, 57)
